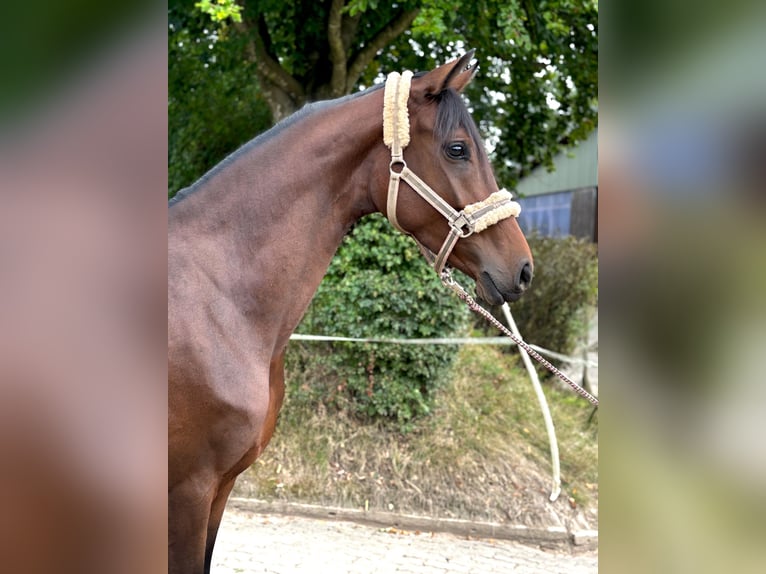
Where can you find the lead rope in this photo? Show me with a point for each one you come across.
(473, 218)
(449, 281)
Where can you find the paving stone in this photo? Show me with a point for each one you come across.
(249, 543)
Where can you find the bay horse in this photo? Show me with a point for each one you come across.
(249, 243)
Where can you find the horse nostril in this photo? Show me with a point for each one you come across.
(525, 276)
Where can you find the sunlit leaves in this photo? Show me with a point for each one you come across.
(220, 10)
(356, 7)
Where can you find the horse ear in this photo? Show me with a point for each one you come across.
(455, 74)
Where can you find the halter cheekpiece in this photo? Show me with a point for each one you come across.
(473, 218)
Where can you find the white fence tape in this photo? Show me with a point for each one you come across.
(445, 341)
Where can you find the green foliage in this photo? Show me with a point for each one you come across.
(553, 312)
(220, 10)
(536, 91)
(537, 87)
(431, 21)
(214, 105)
(378, 285)
(355, 7)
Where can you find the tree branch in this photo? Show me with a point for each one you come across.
(349, 25)
(384, 37)
(337, 48)
(268, 67)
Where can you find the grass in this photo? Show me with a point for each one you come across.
(483, 454)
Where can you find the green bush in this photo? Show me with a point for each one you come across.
(378, 285)
(553, 313)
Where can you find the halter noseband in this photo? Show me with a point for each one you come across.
(473, 218)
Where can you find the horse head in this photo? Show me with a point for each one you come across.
(469, 223)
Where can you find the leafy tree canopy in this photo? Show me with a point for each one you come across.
(236, 67)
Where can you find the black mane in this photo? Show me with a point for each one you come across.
(269, 134)
(451, 115)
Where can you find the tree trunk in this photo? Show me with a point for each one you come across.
(283, 93)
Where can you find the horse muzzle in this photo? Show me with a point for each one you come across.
(496, 289)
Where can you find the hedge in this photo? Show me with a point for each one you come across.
(378, 285)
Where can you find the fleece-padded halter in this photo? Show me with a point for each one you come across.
(474, 218)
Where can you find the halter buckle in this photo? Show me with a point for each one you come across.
(463, 225)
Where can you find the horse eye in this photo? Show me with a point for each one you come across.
(457, 150)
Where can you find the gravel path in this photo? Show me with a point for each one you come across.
(277, 544)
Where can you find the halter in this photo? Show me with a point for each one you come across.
(473, 218)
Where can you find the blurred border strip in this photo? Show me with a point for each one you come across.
(43, 43)
(682, 275)
(83, 287)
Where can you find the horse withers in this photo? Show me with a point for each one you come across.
(249, 243)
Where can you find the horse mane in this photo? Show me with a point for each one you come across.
(451, 114)
(264, 137)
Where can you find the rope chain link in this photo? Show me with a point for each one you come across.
(450, 282)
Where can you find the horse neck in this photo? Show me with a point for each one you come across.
(279, 210)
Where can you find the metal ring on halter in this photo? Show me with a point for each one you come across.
(397, 162)
(474, 218)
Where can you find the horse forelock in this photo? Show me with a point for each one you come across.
(451, 115)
